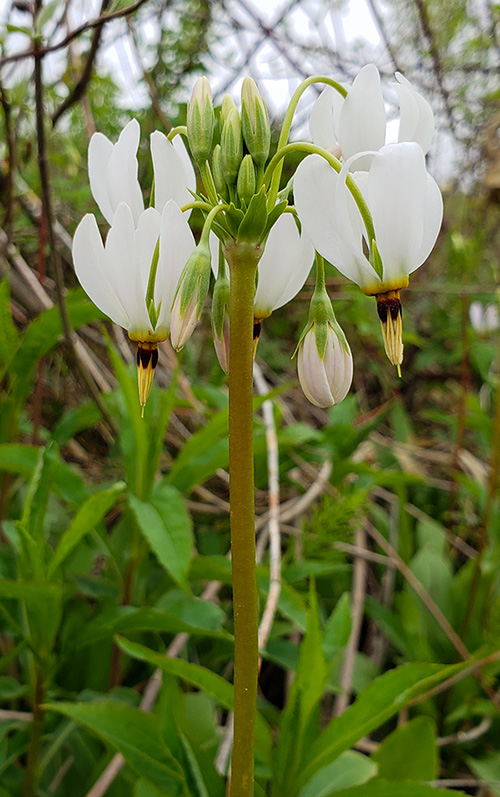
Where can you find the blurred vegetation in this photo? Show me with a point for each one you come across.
(115, 530)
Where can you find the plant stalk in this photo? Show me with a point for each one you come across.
(243, 261)
(30, 788)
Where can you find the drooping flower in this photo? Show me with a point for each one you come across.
(358, 123)
(406, 207)
(484, 318)
(325, 378)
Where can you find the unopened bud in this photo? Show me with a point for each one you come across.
(245, 185)
(217, 172)
(232, 146)
(201, 120)
(255, 122)
(190, 297)
(325, 378)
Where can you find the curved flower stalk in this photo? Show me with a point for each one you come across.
(133, 277)
(358, 123)
(406, 207)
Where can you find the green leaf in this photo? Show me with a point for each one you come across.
(9, 339)
(409, 752)
(349, 769)
(385, 788)
(387, 695)
(87, 517)
(135, 735)
(201, 455)
(338, 627)
(127, 618)
(253, 226)
(300, 721)
(166, 525)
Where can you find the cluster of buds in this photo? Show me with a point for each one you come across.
(371, 209)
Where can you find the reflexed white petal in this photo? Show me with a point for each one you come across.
(176, 245)
(171, 175)
(324, 117)
(214, 251)
(283, 267)
(90, 267)
(396, 197)
(416, 122)
(362, 118)
(122, 262)
(123, 184)
(100, 149)
(433, 217)
(183, 154)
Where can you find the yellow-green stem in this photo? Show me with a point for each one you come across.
(30, 788)
(242, 266)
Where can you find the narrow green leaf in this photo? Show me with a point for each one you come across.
(409, 752)
(387, 695)
(135, 735)
(166, 525)
(87, 517)
(388, 788)
(349, 769)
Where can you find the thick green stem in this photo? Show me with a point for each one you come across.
(30, 788)
(242, 265)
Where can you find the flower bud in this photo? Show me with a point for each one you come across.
(245, 184)
(201, 120)
(255, 122)
(325, 378)
(232, 146)
(217, 172)
(190, 296)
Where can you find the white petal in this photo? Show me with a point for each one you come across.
(183, 154)
(315, 189)
(215, 252)
(416, 121)
(171, 176)
(396, 198)
(476, 315)
(176, 245)
(433, 217)
(100, 149)
(147, 234)
(362, 118)
(122, 262)
(491, 319)
(90, 268)
(322, 121)
(123, 184)
(312, 375)
(338, 365)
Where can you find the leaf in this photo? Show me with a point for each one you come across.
(387, 695)
(338, 627)
(384, 788)
(349, 769)
(9, 339)
(194, 674)
(203, 453)
(135, 735)
(127, 618)
(166, 525)
(409, 752)
(87, 517)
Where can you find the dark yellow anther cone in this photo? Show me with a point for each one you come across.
(147, 358)
(390, 313)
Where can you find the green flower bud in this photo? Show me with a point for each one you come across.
(218, 173)
(255, 122)
(201, 120)
(246, 179)
(191, 294)
(226, 107)
(232, 146)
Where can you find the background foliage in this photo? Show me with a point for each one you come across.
(115, 531)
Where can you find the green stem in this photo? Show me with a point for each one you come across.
(30, 788)
(287, 123)
(242, 266)
(313, 149)
(180, 129)
(320, 274)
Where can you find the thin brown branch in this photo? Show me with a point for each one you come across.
(35, 51)
(80, 87)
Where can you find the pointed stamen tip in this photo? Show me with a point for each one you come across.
(147, 359)
(398, 366)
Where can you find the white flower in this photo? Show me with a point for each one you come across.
(283, 267)
(113, 171)
(406, 207)
(324, 380)
(484, 318)
(358, 123)
(115, 274)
